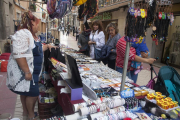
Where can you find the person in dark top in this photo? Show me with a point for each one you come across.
(114, 36)
(73, 30)
(83, 41)
(77, 33)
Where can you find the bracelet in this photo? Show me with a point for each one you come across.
(27, 72)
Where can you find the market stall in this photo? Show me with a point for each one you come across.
(86, 89)
(76, 87)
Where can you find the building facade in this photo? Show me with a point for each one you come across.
(6, 21)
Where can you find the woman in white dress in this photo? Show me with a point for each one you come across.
(97, 37)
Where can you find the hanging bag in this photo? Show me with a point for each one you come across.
(97, 53)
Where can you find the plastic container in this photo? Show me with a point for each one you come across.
(168, 99)
(171, 104)
(175, 103)
(150, 96)
(158, 93)
(165, 105)
(158, 97)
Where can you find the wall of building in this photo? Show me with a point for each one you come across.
(19, 8)
(121, 16)
(6, 21)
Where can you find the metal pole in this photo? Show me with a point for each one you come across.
(126, 60)
(125, 66)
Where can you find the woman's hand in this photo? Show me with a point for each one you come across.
(50, 46)
(151, 60)
(144, 55)
(79, 46)
(28, 76)
(90, 42)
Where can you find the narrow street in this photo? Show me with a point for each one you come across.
(10, 102)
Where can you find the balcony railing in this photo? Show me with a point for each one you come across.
(106, 3)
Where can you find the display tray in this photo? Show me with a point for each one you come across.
(154, 101)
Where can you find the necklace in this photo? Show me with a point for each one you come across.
(36, 38)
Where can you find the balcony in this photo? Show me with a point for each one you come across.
(106, 5)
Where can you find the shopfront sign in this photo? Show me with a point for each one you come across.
(107, 16)
(103, 16)
(97, 17)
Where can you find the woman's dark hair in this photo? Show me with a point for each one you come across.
(26, 21)
(99, 24)
(112, 25)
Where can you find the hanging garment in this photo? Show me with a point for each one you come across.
(63, 7)
(80, 2)
(85, 10)
(93, 9)
(51, 6)
(80, 11)
(89, 9)
(55, 53)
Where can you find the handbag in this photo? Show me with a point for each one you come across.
(97, 53)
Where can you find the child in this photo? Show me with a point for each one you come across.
(140, 47)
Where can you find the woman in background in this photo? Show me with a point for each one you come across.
(83, 41)
(96, 38)
(114, 36)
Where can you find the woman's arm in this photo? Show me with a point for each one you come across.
(145, 60)
(79, 41)
(48, 46)
(45, 47)
(24, 67)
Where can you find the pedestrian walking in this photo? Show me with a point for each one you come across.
(67, 34)
(63, 29)
(73, 30)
